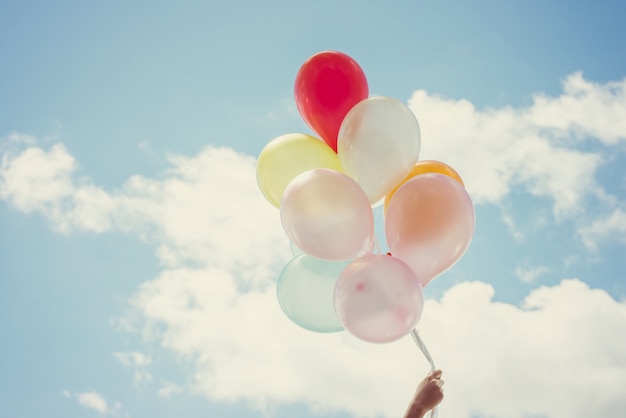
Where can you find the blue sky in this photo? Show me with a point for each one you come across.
(137, 257)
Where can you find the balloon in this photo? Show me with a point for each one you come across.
(423, 167)
(327, 86)
(429, 224)
(378, 299)
(327, 215)
(295, 251)
(305, 292)
(378, 144)
(285, 157)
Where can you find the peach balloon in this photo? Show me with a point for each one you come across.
(429, 224)
(423, 167)
(327, 215)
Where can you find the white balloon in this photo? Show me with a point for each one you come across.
(378, 144)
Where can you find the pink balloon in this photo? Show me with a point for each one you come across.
(378, 298)
(429, 224)
(327, 215)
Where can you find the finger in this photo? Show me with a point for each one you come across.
(439, 382)
(435, 375)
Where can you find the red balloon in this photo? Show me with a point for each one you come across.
(327, 86)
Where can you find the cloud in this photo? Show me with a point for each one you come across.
(285, 109)
(42, 181)
(168, 389)
(93, 400)
(200, 213)
(498, 359)
(133, 358)
(37, 180)
(536, 148)
(584, 109)
(138, 362)
(528, 273)
(609, 228)
(556, 355)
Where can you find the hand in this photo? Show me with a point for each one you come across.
(427, 396)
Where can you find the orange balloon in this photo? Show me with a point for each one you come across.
(423, 167)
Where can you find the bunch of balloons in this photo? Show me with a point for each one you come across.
(325, 190)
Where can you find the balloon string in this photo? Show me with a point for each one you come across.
(418, 341)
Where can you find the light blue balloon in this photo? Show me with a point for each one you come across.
(305, 292)
(295, 251)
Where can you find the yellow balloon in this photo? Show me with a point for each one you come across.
(285, 157)
(423, 167)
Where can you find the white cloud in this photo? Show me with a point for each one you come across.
(138, 362)
(285, 109)
(168, 389)
(605, 229)
(16, 140)
(41, 181)
(556, 356)
(513, 229)
(585, 109)
(207, 210)
(37, 179)
(133, 358)
(529, 274)
(93, 400)
(498, 358)
(536, 148)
